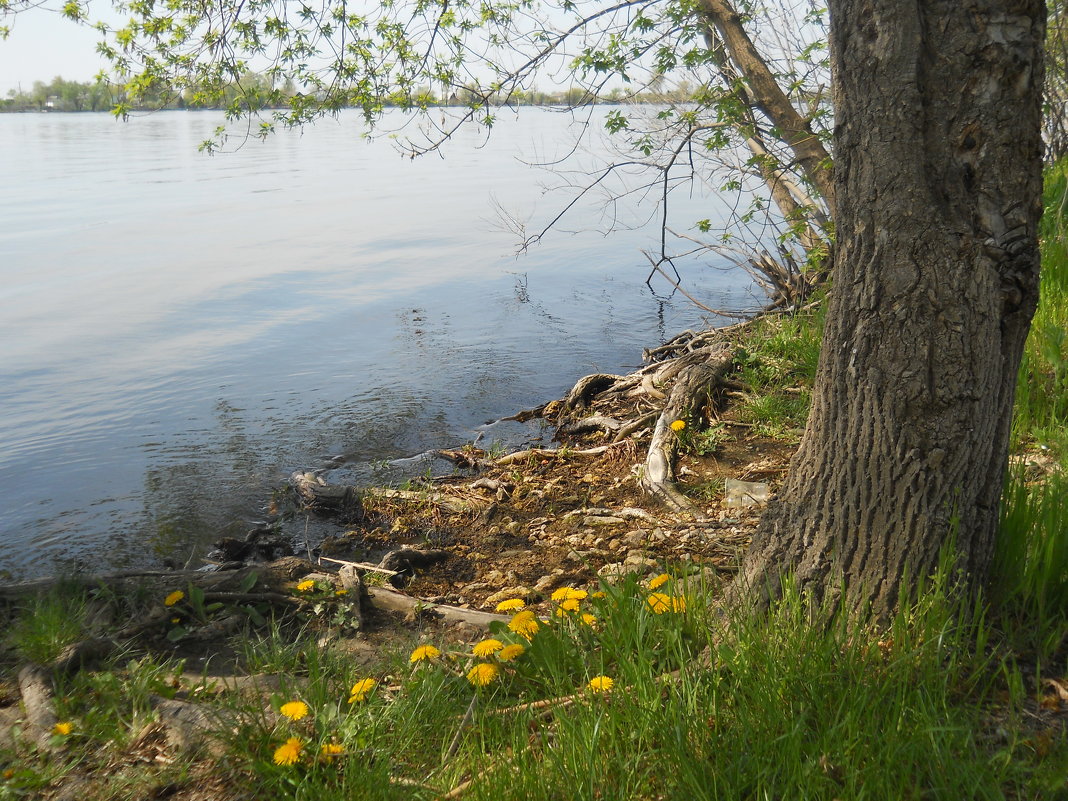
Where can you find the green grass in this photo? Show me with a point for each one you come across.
(1042, 388)
(778, 365)
(48, 624)
(793, 704)
(1030, 575)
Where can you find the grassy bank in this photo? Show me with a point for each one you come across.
(627, 690)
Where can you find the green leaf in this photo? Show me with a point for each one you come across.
(249, 581)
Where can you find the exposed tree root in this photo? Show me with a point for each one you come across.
(693, 385)
(35, 686)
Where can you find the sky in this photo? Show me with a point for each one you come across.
(43, 45)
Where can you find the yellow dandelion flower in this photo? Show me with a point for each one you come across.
(331, 750)
(589, 620)
(568, 594)
(340, 592)
(659, 602)
(63, 728)
(511, 605)
(525, 624)
(678, 425)
(424, 653)
(173, 598)
(678, 604)
(510, 652)
(289, 752)
(483, 673)
(487, 648)
(659, 581)
(360, 690)
(601, 684)
(294, 710)
(306, 586)
(569, 605)
(176, 620)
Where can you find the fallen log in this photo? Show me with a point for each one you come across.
(392, 601)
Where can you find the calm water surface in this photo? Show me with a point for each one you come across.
(179, 332)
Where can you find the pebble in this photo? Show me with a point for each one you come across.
(640, 561)
(549, 581)
(519, 591)
(601, 521)
(615, 571)
(634, 538)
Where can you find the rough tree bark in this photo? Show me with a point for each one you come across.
(938, 188)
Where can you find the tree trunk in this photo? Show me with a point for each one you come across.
(938, 187)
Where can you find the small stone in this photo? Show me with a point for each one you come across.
(549, 581)
(519, 591)
(634, 539)
(640, 561)
(616, 571)
(601, 520)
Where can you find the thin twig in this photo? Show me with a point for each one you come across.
(361, 565)
(454, 746)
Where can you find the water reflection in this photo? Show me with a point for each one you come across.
(182, 332)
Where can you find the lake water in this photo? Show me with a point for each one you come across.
(179, 332)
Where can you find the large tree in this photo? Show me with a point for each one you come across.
(938, 182)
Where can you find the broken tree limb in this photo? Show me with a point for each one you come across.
(358, 565)
(596, 422)
(535, 453)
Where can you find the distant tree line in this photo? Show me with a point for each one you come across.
(255, 92)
